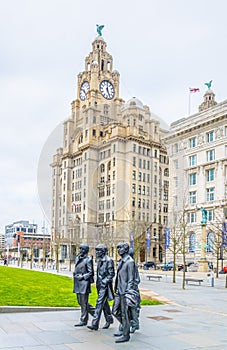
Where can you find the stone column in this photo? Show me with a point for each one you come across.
(203, 262)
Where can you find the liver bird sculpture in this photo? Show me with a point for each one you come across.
(209, 84)
(99, 29)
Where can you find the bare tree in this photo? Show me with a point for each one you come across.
(215, 239)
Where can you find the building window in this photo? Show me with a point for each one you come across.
(139, 189)
(210, 242)
(210, 194)
(133, 188)
(165, 208)
(193, 160)
(192, 197)
(134, 161)
(191, 217)
(133, 201)
(139, 202)
(192, 240)
(175, 148)
(210, 175)
(134, 175)
(155, 166)
(139, 176)
(210, 155)
(175, 164)
(165, 195)
(101, 205)
(166, 172)
(210, 215)
(193, 142)
(102, 168)
(108, 190)
(192, 179)
(108, 204)
(210, 136)
(134, 147)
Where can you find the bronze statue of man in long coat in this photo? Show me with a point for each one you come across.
(83, 276)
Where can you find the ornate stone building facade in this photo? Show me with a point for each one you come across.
(197, 147)
(111, 177)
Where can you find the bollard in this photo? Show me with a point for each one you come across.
(210, 279)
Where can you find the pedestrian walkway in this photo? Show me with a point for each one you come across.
(194, 318)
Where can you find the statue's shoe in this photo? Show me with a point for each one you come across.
(80, 324)
(93, 328)
(122, 339)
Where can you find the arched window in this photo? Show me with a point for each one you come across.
(210, 242)
(166, 172)
(192, 239)
(102, 168)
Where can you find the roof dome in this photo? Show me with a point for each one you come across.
(208, 92)
(133, 102)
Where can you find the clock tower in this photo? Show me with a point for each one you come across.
(102, 174)
(98, 84)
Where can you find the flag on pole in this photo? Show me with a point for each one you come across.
(167, 237)
(224, 234)
(194, 89)
(148, 239)
(132, 240)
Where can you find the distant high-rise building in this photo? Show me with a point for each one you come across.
(111, 177)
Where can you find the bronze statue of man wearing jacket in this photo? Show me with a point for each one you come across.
(124, 289)
(83, 276)
(105, 275)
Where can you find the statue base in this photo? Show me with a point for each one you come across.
(203, 265)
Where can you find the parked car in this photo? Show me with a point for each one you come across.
(159, 266)
(193, 267)
(168, 267)
(149, 265)
(224, 270)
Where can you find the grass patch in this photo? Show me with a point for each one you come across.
(20, 287)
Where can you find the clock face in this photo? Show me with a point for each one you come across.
(107, 89)
(83, 90)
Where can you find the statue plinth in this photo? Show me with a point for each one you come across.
(203, 265)
(203, 262)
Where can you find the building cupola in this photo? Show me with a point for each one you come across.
(209, 98)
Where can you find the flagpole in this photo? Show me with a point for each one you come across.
(189, 103)
(191, 90)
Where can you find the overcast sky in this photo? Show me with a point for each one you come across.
(160, 48)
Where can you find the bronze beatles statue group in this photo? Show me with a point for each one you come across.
(126, 295)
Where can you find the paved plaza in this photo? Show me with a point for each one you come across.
(194, 318)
